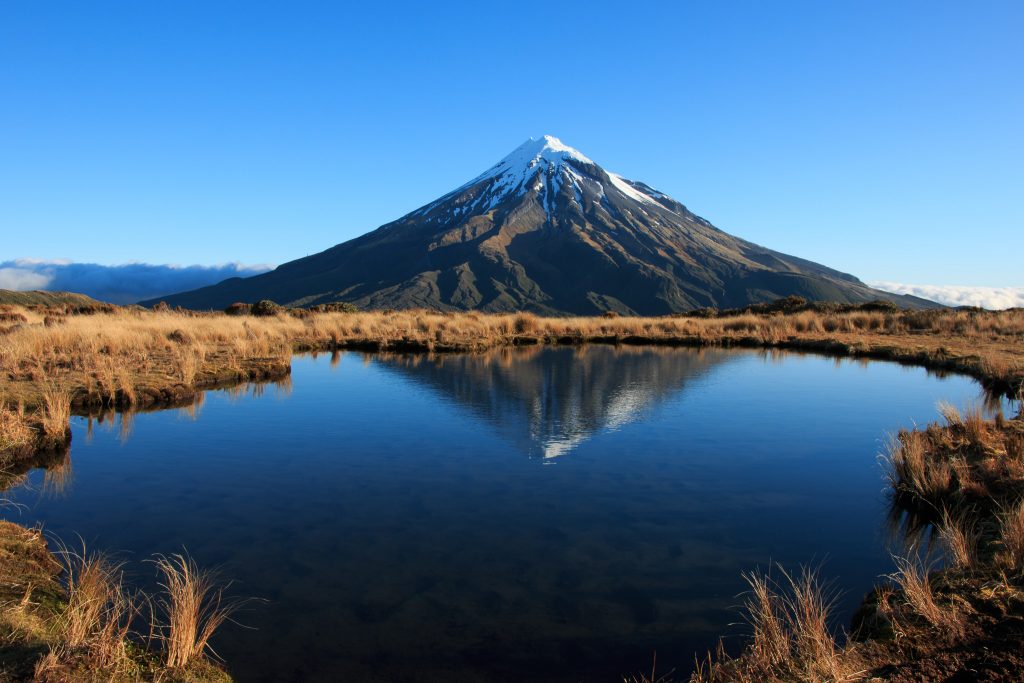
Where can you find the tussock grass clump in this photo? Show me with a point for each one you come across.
(1011, 538)
(913, 578)
(968, 461)
(194, 606)
(970, 424)
(961, 537)
(791, 639)
(525, 323)
(15, 433)
(56, 411)
(913, 469)
(99, 611)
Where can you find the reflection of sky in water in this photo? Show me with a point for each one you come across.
(383, 507)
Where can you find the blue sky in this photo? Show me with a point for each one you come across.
(880, 138)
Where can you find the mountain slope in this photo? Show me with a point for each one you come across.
(547, 230)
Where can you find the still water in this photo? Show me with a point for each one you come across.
(540, 514)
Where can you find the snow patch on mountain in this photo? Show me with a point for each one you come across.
(625, 188)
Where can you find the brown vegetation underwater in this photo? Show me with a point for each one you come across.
(963, 480)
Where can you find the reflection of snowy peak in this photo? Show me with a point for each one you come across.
(545, 229)
(550, 400)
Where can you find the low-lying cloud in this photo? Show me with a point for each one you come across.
(994, 298)
(123, 284)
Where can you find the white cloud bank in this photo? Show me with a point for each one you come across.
(123, 284)
(22, 279)
(994, 298)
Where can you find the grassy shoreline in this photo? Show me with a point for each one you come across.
(55, 362)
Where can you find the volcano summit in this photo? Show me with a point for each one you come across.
(545, 230)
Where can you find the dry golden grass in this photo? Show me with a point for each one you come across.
(99, 610)
(130, 334)
(97, 345)
(791, 638)
(961, 537)
(770, 644)
(1011, 538)
(912, 466)
(16, 435)
(913, 578)
(56, 411)
(969, 461)
(24, 433)
(970, 423)
(194, 606)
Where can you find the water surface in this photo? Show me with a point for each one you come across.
(540, 514)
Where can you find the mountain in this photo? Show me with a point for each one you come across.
(546, 230)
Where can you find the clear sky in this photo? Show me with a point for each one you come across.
(885, 139)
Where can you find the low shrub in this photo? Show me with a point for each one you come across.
(265, 307)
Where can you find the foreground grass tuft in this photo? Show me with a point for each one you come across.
(75, 620)
(194, 606)
(913, 578)
(99, 611)
(791, 639)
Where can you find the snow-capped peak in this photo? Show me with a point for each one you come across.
(547, 148)
(542, 165)
(547, 151)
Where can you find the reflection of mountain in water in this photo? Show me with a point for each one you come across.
(548, 400)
